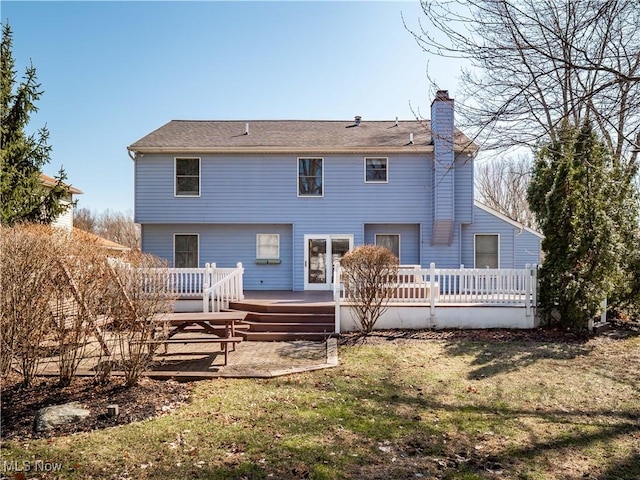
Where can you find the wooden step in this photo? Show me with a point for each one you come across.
(300, 308)
(316, 327)
(284, 336)
(293, 317)
(285, 321)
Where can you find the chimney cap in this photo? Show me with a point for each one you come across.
(442, 95)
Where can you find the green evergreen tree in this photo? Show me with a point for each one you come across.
(22, 156)
(587, 209)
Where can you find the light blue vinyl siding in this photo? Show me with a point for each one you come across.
(527, 249)
(263, 190)
(244, 195)
(244, 189)
(409, 239)
(226, 245)
(464, 189)
(518, 247)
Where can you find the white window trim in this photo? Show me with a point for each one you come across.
(174, 248)
(175, 177)
(375, 239)
(258, 256)
(474, 247)
(298, 177)
(374, 182)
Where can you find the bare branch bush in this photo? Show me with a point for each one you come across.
(502, 184)
(137, 299)
(27, 286)
(370, 281)
(81, 278)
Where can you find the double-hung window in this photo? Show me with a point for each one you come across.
(310, 177)
(187, 171)
(185, 250)
(375, 170)
(487, 251)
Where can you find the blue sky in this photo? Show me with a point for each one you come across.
(114, 71)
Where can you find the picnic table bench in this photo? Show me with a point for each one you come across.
(219, 327)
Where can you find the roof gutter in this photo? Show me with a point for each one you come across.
(134, 152)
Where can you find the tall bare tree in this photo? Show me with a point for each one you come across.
(110, 224)
(502, 184)
(539, 63)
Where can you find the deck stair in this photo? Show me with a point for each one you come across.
(270, 322)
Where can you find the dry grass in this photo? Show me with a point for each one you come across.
(419, 407)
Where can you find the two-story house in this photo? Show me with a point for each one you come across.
(287, 198)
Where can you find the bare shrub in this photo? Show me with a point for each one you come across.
(137, 299)
(370, 281)
(27, 254)
(82, 278)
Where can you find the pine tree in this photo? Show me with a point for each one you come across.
(586, 207)
(22, 156)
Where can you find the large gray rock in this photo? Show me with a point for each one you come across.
(49, 418)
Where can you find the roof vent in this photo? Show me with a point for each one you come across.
(357, 120)
(411, 138)
(246, 128)
(396, 121)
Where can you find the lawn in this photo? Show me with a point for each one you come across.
(400, 406)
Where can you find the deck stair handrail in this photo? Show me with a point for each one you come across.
(221, 286)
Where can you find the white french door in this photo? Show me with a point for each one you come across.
(320, 251)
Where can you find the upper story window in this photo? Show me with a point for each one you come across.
(487, 251)
(187, 177)
(185, 250)
(375, 170)
(310, 177)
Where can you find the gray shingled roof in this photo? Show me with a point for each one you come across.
(288, 135)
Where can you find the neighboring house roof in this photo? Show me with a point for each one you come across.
(51, 182)
(99, 241)
(504, 218)
(295, 136)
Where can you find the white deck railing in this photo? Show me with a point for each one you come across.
(222, 285)
(187, 282)
(440, 286)
(215, 286)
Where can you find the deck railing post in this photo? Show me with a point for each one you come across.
(527, 291)
(337, 279)
(432, 289)
(205, 288)
(240, 281)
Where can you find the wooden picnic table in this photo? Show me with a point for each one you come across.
(220, 327)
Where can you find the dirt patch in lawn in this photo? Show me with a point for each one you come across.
(147, 399)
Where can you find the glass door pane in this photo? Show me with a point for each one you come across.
(339, 247)
(317, 261)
